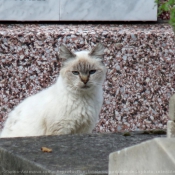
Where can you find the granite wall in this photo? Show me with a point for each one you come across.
(140, 61)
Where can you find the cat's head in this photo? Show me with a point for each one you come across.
(84, 70)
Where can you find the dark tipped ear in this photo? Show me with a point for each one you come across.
(97, 51)
(65, 53)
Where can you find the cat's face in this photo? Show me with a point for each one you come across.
(83, 71)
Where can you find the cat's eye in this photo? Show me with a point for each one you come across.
(92, 71)
(75, 72)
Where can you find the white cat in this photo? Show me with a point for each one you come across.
(71, 105)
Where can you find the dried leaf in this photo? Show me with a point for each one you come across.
(45, 149)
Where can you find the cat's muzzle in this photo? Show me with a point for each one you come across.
(85, 87)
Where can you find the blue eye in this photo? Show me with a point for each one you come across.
(92, 71)
(75, 72)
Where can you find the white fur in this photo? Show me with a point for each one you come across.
(56, 110)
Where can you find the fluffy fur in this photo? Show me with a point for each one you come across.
(71, 105)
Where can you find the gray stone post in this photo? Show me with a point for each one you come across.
(171, 122)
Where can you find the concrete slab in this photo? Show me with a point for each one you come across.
(152, 157)
(71, 154)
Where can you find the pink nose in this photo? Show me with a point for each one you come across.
(84, 78)
(84, 81)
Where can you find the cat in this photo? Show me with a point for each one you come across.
(70, 106)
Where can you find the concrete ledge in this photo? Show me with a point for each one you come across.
(71, 154)
(152, 157)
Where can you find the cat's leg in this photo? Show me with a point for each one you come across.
(17, 126)
(69, 127)
(7, 131)
(59, 130)
(62, 127)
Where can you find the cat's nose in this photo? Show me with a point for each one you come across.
(84, 81)
(84, 78)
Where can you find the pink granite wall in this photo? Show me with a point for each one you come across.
(140, 61)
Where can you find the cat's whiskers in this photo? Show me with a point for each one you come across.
(96, 84)
(76, 90)
(71, 88)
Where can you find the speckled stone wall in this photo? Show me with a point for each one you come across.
(140, 61)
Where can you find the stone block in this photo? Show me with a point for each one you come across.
(170, 129)
(152, 157)
(78, 10)
(108, 10)
(172, 108)
(71, 154)
(29, 10)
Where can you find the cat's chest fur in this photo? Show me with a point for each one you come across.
(77, 113)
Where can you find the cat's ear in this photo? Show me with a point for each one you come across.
(97, 51)
(65, 53)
